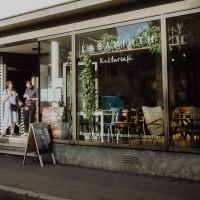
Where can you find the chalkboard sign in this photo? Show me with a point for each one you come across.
(42, 138)
(39, 141)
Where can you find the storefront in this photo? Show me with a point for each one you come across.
(120, 90)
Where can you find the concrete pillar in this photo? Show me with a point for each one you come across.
(54, 65)
(54, 60)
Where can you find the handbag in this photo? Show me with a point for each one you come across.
(13, 107)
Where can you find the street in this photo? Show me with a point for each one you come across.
(81, 183)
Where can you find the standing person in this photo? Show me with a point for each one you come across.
(31, 96)
(9, 96)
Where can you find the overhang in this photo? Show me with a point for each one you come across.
(70, 8)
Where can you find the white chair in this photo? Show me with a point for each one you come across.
(109, 125)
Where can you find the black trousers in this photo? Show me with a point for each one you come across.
(29, 117)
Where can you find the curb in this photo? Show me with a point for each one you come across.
(29, 193)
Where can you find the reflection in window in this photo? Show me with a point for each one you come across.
(124, 64)
(55, 86)
(184, 72)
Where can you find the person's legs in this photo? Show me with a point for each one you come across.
(12, 128)
(32, 114)
(26, 120)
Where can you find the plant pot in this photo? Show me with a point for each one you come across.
(180, 40)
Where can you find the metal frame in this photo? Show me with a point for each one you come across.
(166, 95)
(162, 17)
(165, 80)
(157, 17)
(2, 82)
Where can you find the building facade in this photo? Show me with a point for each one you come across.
(118, 81)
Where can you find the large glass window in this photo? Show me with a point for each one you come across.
(119, 85)
(184, 73)
(55, 86)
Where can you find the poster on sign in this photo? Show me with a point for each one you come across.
(39, 141)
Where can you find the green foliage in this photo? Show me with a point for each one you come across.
(108, 43)
(88, 86)
(154, 47)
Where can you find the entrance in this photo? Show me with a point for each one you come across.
(21, 65)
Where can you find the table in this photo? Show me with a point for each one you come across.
(101, 114)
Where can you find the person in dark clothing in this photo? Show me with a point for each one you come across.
(31, 96)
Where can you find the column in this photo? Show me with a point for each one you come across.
(54, 60)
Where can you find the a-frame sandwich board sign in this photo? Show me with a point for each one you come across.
(39, 141)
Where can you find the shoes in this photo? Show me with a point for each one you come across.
(24, 134)
(3, 134)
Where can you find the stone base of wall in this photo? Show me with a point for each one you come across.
(159, 163)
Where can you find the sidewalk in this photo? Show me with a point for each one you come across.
(78, 183)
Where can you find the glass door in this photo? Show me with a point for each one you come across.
(55, 86)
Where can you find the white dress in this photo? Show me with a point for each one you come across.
(9, 116)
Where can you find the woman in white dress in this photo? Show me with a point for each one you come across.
(10, 118)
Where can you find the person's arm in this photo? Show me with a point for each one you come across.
(26, 96)
(6, 96)
(34, 99)
(19, 102)
(36, 96)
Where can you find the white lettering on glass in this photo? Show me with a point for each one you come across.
(128, 43)
(113, 59)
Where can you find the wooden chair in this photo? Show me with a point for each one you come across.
(153, 120)
(195, 122)
(181, 126)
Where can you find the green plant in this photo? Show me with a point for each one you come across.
(155, 46)
(88, 87)
(180, 33)
(107, 43)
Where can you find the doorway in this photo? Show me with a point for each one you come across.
(21, 65)
(20, 69)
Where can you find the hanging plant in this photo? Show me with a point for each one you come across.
(88, 86)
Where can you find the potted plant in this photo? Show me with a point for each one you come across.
(179, 35)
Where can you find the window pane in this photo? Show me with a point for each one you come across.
(55, 86)
(184, 73)
(119, 71)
